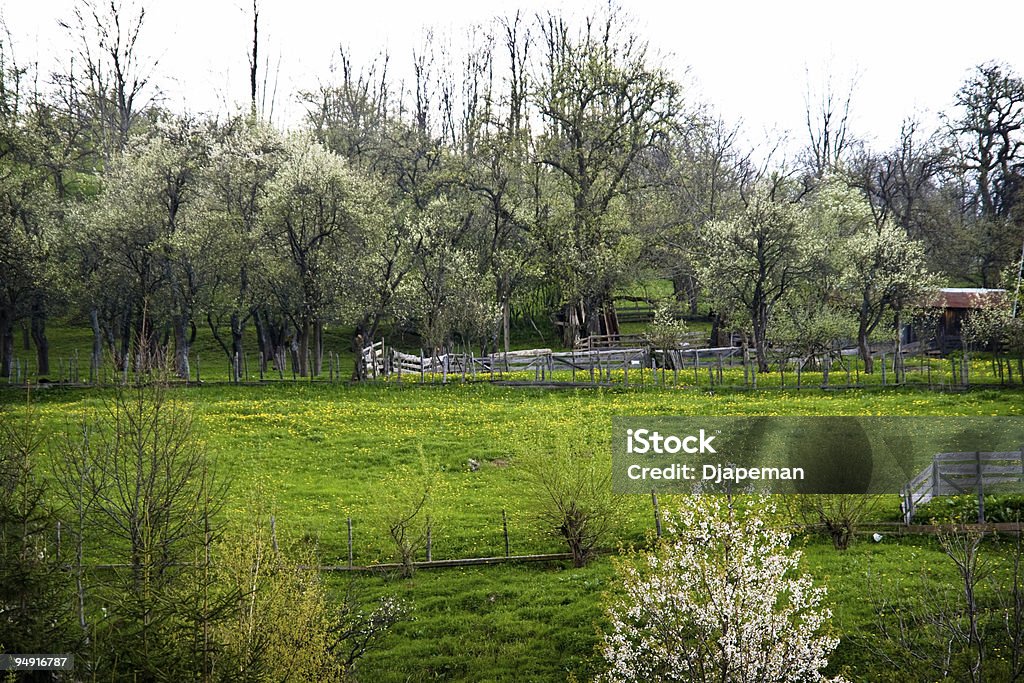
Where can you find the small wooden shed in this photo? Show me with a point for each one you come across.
(955, 303)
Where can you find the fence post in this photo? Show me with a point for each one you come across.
(883, 369)
(504, 525)
(935, 477)
(349, 542)
(657, 513)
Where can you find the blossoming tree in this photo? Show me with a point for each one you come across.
(721, 600)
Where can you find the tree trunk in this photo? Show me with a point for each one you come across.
(897, 361)
(865, 351)
(571, 325)
(760, 342)
(6, 342)
(267, 350)
(506, 315)
(318, 347)
(237, 351)
(303, 349)
(182, 343)
(684, 288)
(38, 326)
(97, 342)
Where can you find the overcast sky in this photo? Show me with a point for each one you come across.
(750, 60)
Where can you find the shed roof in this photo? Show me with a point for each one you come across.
(968, 297)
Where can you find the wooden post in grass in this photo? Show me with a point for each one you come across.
(657, 513)
(423, 364)
(197, 369)
(504, 526)
(883, 369)
(696, 362)
(349, 542)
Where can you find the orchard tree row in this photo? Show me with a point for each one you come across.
(556, 161)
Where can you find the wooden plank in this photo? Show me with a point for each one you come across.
(986, 468)
(437, 564)
(986, 455)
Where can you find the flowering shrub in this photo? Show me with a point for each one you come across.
(720, 600)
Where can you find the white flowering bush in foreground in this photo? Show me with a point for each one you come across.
(721, 600)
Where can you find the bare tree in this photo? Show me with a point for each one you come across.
(828, 127)
(144, 495)
(117, 83)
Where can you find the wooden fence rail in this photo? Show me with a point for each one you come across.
(958, 473)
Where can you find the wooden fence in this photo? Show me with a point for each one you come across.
(957, 473)
(622, 359)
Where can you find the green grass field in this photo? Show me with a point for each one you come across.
(315, 455)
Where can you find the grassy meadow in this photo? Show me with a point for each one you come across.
(316, 455)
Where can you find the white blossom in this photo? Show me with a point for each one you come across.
(721, 600)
